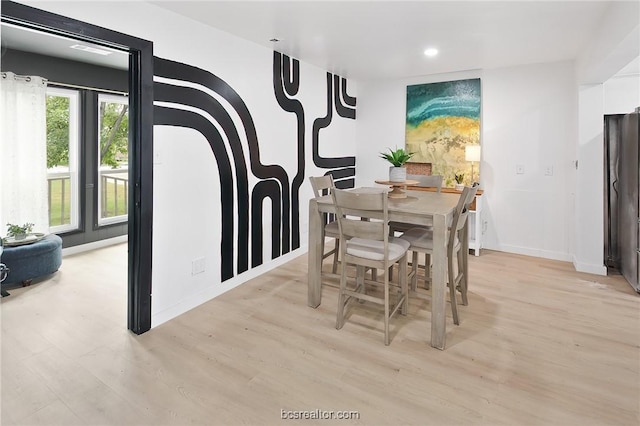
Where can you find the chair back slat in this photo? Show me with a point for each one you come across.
(321, 184)
(362, 215)
(362, 229)
(428, 181)
(351, 200)
(462, 210)
(471, 194)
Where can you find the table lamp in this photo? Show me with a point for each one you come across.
(472, 153)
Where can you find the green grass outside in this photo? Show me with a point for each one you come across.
(110, 210)
(55, 214)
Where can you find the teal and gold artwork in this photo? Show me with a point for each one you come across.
(442, 119)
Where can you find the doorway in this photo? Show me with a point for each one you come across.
(140, 156)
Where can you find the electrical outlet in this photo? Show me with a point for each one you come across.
(548, 171)
(197, 266)
(519, 169)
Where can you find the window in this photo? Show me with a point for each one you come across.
(63, 128)
(113, 155)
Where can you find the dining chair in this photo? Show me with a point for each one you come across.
(421, 241)
(322, 185)
(426, 181)
(367, 244)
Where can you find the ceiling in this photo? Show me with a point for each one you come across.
(369, 40)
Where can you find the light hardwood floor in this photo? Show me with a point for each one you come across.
(538, 344)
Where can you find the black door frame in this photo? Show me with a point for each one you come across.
(141, 142)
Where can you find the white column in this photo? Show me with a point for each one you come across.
(589, 209)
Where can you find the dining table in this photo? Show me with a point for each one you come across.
(420, 208)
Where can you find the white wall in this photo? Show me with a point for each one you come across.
(529, 119)
(186, 221)
(589, 223)
(622, 94)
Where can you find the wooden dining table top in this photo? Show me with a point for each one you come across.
(416, 202)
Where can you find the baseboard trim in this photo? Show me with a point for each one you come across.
(94, 245)
(589, 268)
(527, 251)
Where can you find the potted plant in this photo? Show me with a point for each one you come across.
(459, 177)
(19, 232)
(398, 158)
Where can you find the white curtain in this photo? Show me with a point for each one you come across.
(23, 152)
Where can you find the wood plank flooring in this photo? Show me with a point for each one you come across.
(539, 344)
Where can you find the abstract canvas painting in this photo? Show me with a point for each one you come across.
(442, 119)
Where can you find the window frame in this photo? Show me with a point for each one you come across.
(75, 129)
(104, 221)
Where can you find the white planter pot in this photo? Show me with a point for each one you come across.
(397, 174)
(459, 187)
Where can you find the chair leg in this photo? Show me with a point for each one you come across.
(335, 256)
(452, 289)
(414, 269)
(463, 281)
(360, 273)
(386, 307)
(341, 304)
(404, 285)
(427, 271)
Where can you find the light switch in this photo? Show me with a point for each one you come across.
(548, 171)
(519, 169)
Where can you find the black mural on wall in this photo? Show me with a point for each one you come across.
(275, 181)
(225, 139)
(343, 168)
(286, 83)
(176, 117)
(346, 109)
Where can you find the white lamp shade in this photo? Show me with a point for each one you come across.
(472, 153)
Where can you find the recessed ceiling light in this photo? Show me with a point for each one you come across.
(91, 49)
(431, 52)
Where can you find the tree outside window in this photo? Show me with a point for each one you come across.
(113, 151)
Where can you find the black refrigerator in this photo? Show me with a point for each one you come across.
(622, 210)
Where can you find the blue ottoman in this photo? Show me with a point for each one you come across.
(30, 261)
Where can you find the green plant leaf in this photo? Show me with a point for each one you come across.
(397, 157)
(13, 230)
